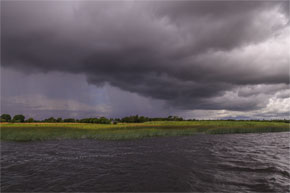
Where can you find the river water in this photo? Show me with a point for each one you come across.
(199, 163)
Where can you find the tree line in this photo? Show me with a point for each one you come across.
(101, 120)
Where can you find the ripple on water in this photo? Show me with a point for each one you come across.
(239, 162)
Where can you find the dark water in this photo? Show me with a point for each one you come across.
(201, 163)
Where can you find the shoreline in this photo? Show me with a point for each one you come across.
(126, 131)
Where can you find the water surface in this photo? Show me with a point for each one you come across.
(199, 163)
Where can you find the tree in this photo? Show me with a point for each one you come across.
(69, 120)
(50, 120)
(104, 120)
(30, 120)
(59, 120)
(18, 118)
(5, 118)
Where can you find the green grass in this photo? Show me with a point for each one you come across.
(123, 131)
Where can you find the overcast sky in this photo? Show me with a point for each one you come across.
(196, 59)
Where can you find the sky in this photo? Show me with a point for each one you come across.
(195, 59)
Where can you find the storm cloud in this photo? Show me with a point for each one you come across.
(191, 54)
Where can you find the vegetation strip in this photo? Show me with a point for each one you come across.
(123, 131)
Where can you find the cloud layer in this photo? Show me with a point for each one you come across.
(193, 55)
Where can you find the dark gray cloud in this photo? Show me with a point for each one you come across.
(58, 94)
(193, 55)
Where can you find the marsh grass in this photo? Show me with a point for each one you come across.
(124, 131)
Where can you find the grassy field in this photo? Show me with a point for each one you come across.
(122, 131)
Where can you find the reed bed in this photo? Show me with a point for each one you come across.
(125, 131)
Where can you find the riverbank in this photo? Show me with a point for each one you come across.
(123, 131)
